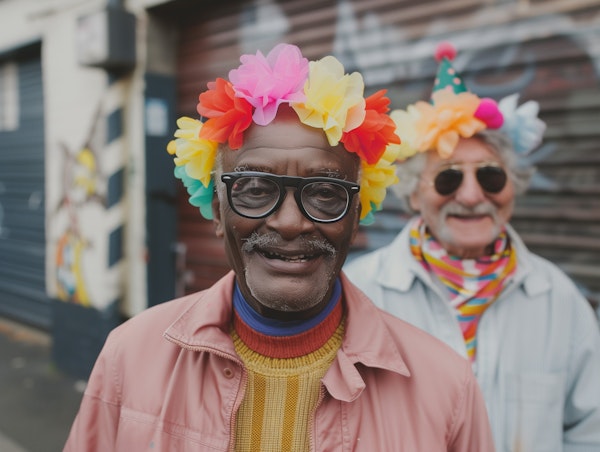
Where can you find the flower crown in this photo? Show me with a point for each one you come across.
(454, 112)
(322, 96)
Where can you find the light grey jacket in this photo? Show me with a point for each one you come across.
(538, 345)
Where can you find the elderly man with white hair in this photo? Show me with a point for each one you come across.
(460, 272)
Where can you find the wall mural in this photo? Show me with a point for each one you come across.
(83, 192)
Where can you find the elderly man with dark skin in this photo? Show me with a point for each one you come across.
(283, 353)
(460, 272)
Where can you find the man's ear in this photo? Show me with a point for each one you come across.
(216, 211)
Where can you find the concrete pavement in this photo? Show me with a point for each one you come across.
(37, 402)
(8, 445)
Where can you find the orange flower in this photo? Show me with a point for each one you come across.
(370, 139)
(229, 116)
(441, 124)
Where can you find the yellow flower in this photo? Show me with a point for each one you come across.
(405, 129)
(441, 123)
(375, 179)
(197, 154)
(334, 100)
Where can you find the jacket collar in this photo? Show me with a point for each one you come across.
(401, 277)
(375, 349)
(533, 283)
(204, 326)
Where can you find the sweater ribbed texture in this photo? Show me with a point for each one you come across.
(282, 393)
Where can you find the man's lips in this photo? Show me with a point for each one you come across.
(303, 253)
(468, 217)
(297, 263)
(297, 256)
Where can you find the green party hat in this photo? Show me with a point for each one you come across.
(447, 77)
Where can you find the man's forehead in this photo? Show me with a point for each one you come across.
(468, 151)
(330, 161)
(291, 144)
(285, 132)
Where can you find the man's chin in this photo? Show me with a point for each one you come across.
(286, 293)
(289, 305)
(466, 244)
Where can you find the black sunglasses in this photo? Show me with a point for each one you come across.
(491, 178)
(254, 194)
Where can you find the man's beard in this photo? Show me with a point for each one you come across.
(454, 208)
(256, 242)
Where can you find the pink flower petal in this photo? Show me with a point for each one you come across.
(267, 82)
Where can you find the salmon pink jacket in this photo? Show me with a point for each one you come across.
(169, 380)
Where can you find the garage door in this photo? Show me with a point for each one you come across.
(22, 237)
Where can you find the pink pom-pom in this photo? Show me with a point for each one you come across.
(445, 50)
(489, 113)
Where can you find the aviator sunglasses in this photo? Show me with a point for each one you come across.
(490, 176)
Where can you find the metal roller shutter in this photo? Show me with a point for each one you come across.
(22, 216)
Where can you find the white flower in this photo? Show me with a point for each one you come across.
(521, 124)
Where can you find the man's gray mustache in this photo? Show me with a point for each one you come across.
(257, 240)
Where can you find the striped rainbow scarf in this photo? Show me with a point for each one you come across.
(473, 284)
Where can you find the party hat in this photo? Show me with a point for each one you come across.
(451, 113)
(447, 77)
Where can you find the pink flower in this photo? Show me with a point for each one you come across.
(268, 82)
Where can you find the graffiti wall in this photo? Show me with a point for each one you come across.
(80, 206)
(85, 217)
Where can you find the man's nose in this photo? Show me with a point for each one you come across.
(288, 220)
(469, 192)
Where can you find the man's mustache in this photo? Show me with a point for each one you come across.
(257, 241)
(454, 208)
